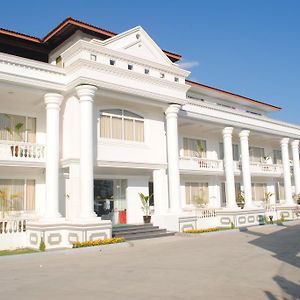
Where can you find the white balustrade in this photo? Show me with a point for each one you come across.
(257, 167)
(11, 226)
(201, 163)
(203, 213)
(21, 151)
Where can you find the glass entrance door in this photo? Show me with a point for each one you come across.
(110, 199)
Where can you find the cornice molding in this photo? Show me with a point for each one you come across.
(81, 45)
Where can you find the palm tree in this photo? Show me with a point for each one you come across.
(6, 201)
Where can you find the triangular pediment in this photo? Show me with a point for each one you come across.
(138, 43)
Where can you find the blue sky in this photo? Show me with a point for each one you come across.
(248, 47)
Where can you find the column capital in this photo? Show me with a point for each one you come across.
(227, 131)
(295, 144)
(172, 110)
(53, 100)
(284, 141)
(86, 92)
(244, 134)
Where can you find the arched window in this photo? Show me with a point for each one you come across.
(122, 125)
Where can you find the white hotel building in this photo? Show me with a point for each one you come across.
(90, 118)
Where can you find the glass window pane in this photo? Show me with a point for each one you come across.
(116, 128)
(30, 195)
(31, 130)
(128, 130)
(131, 114)
(5, 123)
(139, 131)
(105, 127)
(117, 112)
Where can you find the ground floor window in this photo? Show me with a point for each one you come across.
(17, 195)
(196, 193)
(259, 191)
(223, 192)
(110, 199)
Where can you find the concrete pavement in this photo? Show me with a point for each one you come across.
(260, 263)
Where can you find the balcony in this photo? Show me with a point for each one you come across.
(264, 168)
(21, 152)
(201, 164)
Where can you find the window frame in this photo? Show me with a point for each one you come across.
(188, 185)
(26, 130)
(24, 199)
(122, 117)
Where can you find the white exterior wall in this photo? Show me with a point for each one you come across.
(146, 95)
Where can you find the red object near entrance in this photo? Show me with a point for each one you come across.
(122, 217)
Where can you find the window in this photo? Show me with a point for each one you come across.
(196, 193)
(112, 62)
(17, 128)
(277, 157)
(176, 79)
(256, 154)
(194, 148)
(258, 191)
(235, 151)
(93, 57)
(20, 195)
(130, 67)
(121, 125)
(279, 191)
(223, 192)
(226, 105)
(147, 71)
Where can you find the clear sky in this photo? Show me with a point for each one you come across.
(250, 47)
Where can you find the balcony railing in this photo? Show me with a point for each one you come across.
(21, 151)
(256, 167)
(195, 163)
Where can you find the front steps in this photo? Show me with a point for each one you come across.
(138, 232)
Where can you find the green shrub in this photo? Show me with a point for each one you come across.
(42, 246)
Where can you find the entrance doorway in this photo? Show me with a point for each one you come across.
(110, 200)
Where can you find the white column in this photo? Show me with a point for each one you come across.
(229, 171)
(86, 95)
(244, 134)
(173, 159)
(53, 102)
(160, 191)
(296, 165)
(286, 171)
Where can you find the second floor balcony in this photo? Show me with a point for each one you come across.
(207, 165)
(21, 152)
(201, 164)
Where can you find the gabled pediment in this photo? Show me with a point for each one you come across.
(138, 43)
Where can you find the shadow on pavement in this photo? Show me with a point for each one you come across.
(291, 289)
(285, 244)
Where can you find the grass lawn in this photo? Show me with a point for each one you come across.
(17, 251)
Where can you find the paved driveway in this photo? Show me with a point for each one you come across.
(261, 263)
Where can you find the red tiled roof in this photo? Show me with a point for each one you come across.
(76, 23)
(233, 94)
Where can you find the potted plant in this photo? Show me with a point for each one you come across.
(266, 158)
(240, 199)
(200, 148)
(145, 200)
(296, 198)
(267, 197)
(18, 129)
